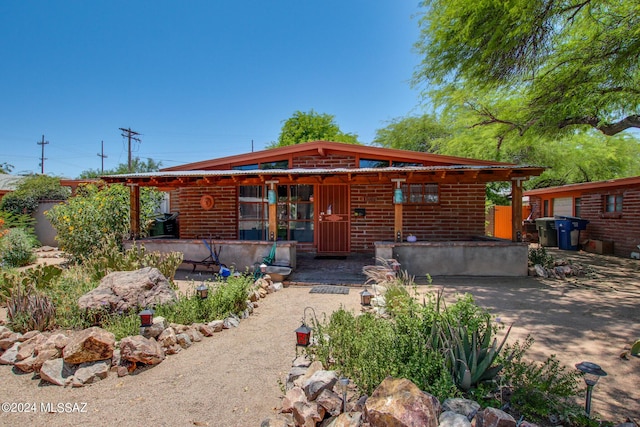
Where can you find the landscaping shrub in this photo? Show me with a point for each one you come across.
(31, 190)
(29, 309)
(17, 248)
(108, 256)
(96, 211)
(540, 256)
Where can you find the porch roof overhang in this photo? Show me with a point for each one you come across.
(168, 180)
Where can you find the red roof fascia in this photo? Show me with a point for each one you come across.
(326, 148)
(585, 186)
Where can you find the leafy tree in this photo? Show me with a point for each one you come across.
(97, 211)
(311, 126)
(137, 166)
(423, 133)
(5, 167)
(31, 190)
(541, 66)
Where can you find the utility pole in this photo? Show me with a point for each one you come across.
(102, 156)
(42, 157)
(131, 135)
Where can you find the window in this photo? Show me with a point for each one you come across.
(295, 212)
(613, 203)
(373, 163)
(545, 210)
(404, 164)
(420, 193)
(279, 164)
(577, 202)
(252, 213)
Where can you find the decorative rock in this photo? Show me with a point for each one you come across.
(168, 338)
(492, 417)
(453, 419)
(28, 347)
(307, 414)
(138, 349)
(400, 402)
(183, 340)
(58, 341)
(57, 371)
(174, 349)
(231, 322)
(541, 271)
(155, 329)
(253, 296)
(296, 394)
(88, 373)
(205, 330)
(312, 369)
(128, 290)
(345, 420)
(9, 356)
(279, 420)
(122, 371)
(319, 381)
(28, 335)
(216, 325)
(89, 345)
(277, 286)
(34, 363)
(116, 358)
(466, 407)
(330, 401)
(5, 332)
(301, 361)
(295, 373)
(194, 335)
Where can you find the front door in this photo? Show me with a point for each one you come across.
(333, 220)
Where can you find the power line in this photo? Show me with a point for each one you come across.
(131, 135)
(42, 157)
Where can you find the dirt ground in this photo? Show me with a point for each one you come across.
(234, 378)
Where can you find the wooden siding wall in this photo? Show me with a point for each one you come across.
(623, 229)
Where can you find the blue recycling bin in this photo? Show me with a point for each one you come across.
(569, 232)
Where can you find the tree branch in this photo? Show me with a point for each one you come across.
(608, 129)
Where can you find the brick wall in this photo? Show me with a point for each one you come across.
(195, 222)
(623, 229)
(330, 161)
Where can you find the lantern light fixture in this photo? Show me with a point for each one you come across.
(592, 373)
(365, 297)
(303, 333)
(202, 291)
(146, 318)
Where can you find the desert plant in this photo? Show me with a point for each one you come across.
(541, 257)
(31, 190)
(543, 392)
(471, 357)
(40, 276)
(17, 248)
(29, 309)
(108, 257)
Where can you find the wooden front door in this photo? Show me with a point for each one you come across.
(333, 220)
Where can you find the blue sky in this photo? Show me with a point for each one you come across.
(197, 79)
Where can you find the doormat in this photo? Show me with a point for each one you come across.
(331, 257)
(329, 289)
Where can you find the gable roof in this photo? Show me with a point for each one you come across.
(326, 148)
(585, 186)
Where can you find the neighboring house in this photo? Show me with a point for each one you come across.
(8, 183)
(331, 198)
(612, 208)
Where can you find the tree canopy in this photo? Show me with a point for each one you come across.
(534, 66)
(415, 133)
(311, 126)
(137, 166)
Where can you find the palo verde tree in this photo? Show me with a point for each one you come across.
(311, 126)
(415, 133)
(534, 66)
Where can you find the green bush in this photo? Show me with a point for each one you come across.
(17, 248)
(541, 256)
(30, 191)
(96, 211)
(108, 256)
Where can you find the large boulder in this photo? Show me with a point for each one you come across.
(128, 290)
(89, 345)
(399, 402)
(138, 349)
(492, 417)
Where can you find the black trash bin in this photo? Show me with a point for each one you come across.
(547, 234)
(166, 225)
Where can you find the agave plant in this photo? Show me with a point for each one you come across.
(471, 356)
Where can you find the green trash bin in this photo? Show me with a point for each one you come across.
(547, 233)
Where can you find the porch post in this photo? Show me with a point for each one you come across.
(397, 223)
(134, 205)
(516, 209)
(272, 200)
